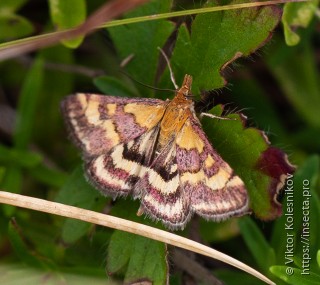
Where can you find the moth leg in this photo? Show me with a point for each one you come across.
(215, 117)
(126, 60)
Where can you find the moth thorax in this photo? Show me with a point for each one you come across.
(171, 123)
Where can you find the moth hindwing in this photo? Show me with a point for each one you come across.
(156, 151)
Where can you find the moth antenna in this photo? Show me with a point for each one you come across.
(146, 85)
(170, 69)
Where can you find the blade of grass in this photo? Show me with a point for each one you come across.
(195, 11)
(27, 105)
(107, 12)
(95, 21)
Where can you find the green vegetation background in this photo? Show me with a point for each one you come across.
(277, 86)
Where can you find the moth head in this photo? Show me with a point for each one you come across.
(185, 89)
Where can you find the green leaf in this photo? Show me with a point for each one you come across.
(236, 277)
(20, 248)
(306, 138)
(307, 216)
(296, 278)
(115, 87)
(218, 39)
(19, 157)
(16, 158)
(14, 26)
(318, 258)
(57, 83)
(2, 172)
(298, 77)
(142, 40)
(257, 104)
(12, 182)
(48, 176)
(17, 274)
(66, 15)
(77, 192)
(262, 252)
(136, 256)
(142, 257)
(27, 108)
(212, 232)
(296, 15)
(119, 251)
(7, 7)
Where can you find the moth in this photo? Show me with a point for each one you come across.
(157, 152)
